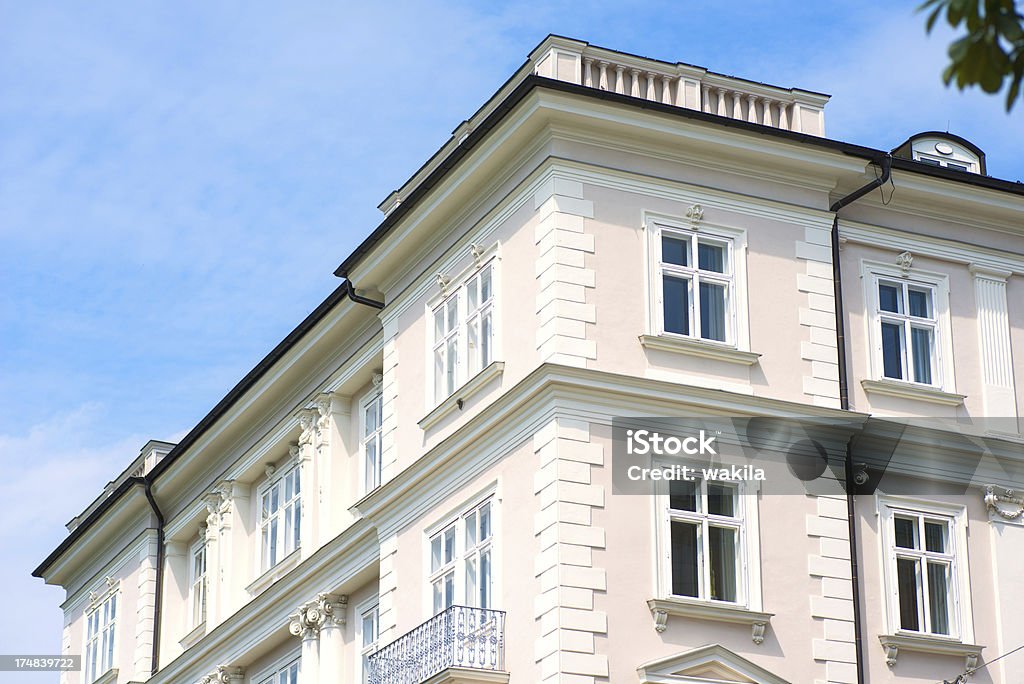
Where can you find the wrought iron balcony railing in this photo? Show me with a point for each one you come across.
(459, 637)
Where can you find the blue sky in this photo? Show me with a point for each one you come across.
(178, 181)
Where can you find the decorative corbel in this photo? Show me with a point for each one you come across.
(443, 281)
(757, 632)
(660, 619)
(891, 651)
(307, 422)
(970, 663)
(377, 380)
(269, 469)
(994, 496)
(478, 254)
(696, 214)
(905, 260)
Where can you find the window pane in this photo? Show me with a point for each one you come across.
(452, 307)
(298, 524)
(485, 284)
(435, 554)
(892, 350)
(711, 257)
(473, 342)
(712, 311)
(485, 521)
(906, 533)
(920, 302)
(906, 580)
(449, 544)
(453, 359)
(449, 590)
(485, 579)
(722, 547)
(721, 499)
(471, 530)
(440, 386)
(684, 559)
(485, 339)
(438, 596)
(935, 536)
(473, 294)
(890, 298)
(675, 251)
(369, 629)
(472, 577)
(438, 324)
(921, 343)
(676, 296)
(957, 167)
(682, 495)
(938, 602)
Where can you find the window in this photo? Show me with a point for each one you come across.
(697, 282)
(372, 408)
(463, 342)
(289, 674)
(197, 582)
(461, 561)
(368, 634)
(925, 548)
(908, 331)
(280, 517)
(705, 521)
(100, 636)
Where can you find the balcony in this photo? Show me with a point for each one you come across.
(458, 646)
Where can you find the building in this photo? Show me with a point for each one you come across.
(418, 483)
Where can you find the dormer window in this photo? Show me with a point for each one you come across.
(945, 150)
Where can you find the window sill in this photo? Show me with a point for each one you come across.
(193, 637)
(699, 348)
(468, 675)
(459, 397)
(920, 643)
(108, 677)
(907, 390)
(661, 609)
(275, 573)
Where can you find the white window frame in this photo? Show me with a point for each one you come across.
(277, 480)
(463, 554)
(960, 613)
(873, 273)
(272, 674)
(735, 240)
(455, 290)
(748, 546)
(366, 608)
(197, 584)
(370, 475)
(105, 634)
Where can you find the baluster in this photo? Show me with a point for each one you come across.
(651, 95)
(783, 116)
(752, 108)
(634, 88)
(666, 90)
(603, 78)
(705, 98)
(588, 76)
(720, 92)
(620, 77)
(737, 105)
(767, 112)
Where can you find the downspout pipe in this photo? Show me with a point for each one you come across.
(359, 299)
(885, 163)
(159, 572)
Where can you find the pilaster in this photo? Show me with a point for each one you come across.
(832, 605)
(224, 674)
(303, 453)
(145, 604)
(565, 309)
(818, 316)
(564, 609)
(998, 393)
(318, 623)
(389, 400)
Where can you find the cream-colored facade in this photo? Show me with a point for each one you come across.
(359, 481)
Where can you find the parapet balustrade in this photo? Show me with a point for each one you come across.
(681, 85)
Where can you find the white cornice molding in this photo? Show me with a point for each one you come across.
(699, 348)
(907, 390)
(130, 553)
(550, 390)
(926, 245)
